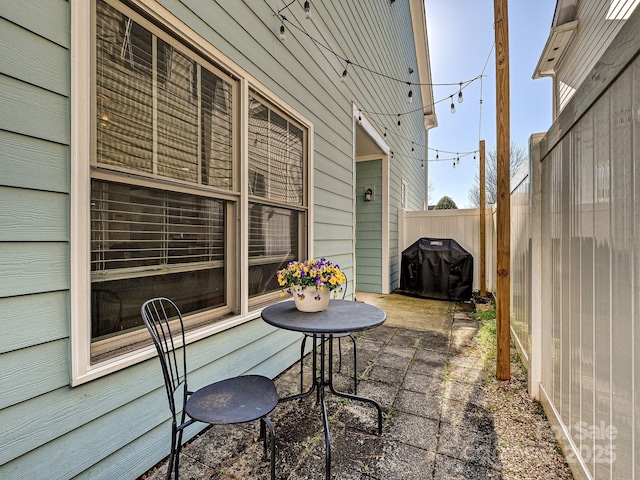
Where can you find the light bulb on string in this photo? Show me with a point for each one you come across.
(437, 155)
(453, 106)
(359, 115)
(307, 9)
(460, 94)
(283, 34)
(413, 149)
(399, 128)
(410, 96)
(343, 78)
(385, 132)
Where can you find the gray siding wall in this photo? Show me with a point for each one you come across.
(117, 424)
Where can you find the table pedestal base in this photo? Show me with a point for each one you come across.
(319, 383)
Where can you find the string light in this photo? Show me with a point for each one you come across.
(409, 98)
(461, 85)
(343, 78)
(329, 49)
(422, 107)
(454, 156)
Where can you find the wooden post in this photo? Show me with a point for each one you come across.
(483, 226)
(503, 287)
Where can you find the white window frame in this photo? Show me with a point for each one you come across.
(404, 192)
(82, 147)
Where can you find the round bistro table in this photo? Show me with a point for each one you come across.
(341, 316)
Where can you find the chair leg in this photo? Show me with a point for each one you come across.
(339, 355)
(266, 421)
(172, 454)
(174, 457)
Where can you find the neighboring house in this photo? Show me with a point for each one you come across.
(182, 148)
(575, 224)
(580, 33)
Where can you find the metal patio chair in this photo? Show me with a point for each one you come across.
(234, 400)
(339, 336)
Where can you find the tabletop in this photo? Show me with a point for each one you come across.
(341, 316)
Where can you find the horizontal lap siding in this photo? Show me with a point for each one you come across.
(34, 233)
(50, 310)
(595, 33)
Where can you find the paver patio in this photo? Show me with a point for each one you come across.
(423, 369)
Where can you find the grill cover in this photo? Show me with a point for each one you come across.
(437, 268)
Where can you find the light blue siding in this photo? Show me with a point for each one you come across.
(45, 18)
(30, 372)
(33, 268)
(33, 163)
(33, 59)
(369, 227)
(28, 215)
(34, 111)
(49, 311)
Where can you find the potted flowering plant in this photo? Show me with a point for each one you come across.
(311, 283)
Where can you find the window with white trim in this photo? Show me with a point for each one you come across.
(166, 183)
(404, 187)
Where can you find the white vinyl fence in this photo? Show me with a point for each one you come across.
(576, 267)
(462, 225)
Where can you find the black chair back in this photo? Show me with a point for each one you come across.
(162, 318)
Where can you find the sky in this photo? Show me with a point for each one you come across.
(461, 37)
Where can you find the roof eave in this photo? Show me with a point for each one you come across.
(419, 24)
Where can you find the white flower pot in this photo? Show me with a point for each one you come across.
(311, 299)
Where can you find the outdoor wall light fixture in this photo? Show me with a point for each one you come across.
(368, 194)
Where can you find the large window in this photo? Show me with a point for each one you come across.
(167, 184)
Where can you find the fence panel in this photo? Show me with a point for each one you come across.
(462, 225)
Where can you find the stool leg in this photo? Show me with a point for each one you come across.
(355, 364)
